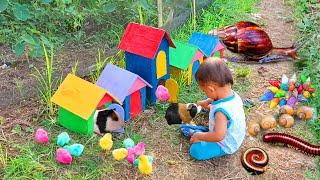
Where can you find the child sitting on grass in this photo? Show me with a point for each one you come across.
(226, 118)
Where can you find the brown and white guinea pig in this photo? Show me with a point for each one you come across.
(107, 120)
(178, 113)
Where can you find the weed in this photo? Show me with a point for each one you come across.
(19, 85)
(74, 69)
(242, 72)
(3, 157)
(45, 83)
(99, 65)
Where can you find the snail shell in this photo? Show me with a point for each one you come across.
(286, 120)
(268, 122)
(286, 109)
(254, 160)
(253, 129)
(304, 113)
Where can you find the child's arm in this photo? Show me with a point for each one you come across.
(205, 103)
(219, 130)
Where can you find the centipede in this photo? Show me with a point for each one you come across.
(292, 141)
(255, 160)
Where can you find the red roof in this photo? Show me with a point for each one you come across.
(143, 40)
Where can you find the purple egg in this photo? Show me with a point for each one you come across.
(292, 101)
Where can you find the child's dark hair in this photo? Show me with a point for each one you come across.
(215, 71)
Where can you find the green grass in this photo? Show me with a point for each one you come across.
(307, 20)
(35, 161)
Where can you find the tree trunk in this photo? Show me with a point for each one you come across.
(160, 15)
(194, 14)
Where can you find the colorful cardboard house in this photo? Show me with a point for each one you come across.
(78, 100)
(209, 45)
(185, 58)
(147, 54)
(128, 88)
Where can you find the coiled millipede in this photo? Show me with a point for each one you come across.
(254, 160)
(292, 141)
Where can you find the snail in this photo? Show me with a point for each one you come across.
(304, 113)
(250, 40)
(268, 122)
(286, 120)
(253, 128)
(286, 109)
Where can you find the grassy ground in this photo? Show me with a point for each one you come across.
(308, 23)
(21, 158)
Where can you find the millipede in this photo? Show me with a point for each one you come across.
(254, 160)
(292, 141)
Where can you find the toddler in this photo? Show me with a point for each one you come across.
(226, 118)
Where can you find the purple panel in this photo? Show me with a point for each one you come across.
(116, 81)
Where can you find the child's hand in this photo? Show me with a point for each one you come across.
(194, 138)
(204, 104)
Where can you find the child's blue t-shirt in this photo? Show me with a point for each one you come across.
(232, 108)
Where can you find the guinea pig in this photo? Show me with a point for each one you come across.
(178, 113)
(107, 120)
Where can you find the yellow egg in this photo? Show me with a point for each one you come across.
(306, 94)
(273, 89)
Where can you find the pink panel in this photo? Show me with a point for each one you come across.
(218, 47)
(197, 56)
(105, 100)
(138, 84)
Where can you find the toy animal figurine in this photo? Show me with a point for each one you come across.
(144, 166)
(74, 149)
(254, 160)
(63, 156)
(139, 148)
(120, 154)
(131, 156)
(106, 142)
(304, 113)
(268, 122)
(292, 141)
(128, 143)
(63, 138)
(41, 136)
(285, 120)
(250, 40)
(253, 128)
(162, 93)
(286, 109)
